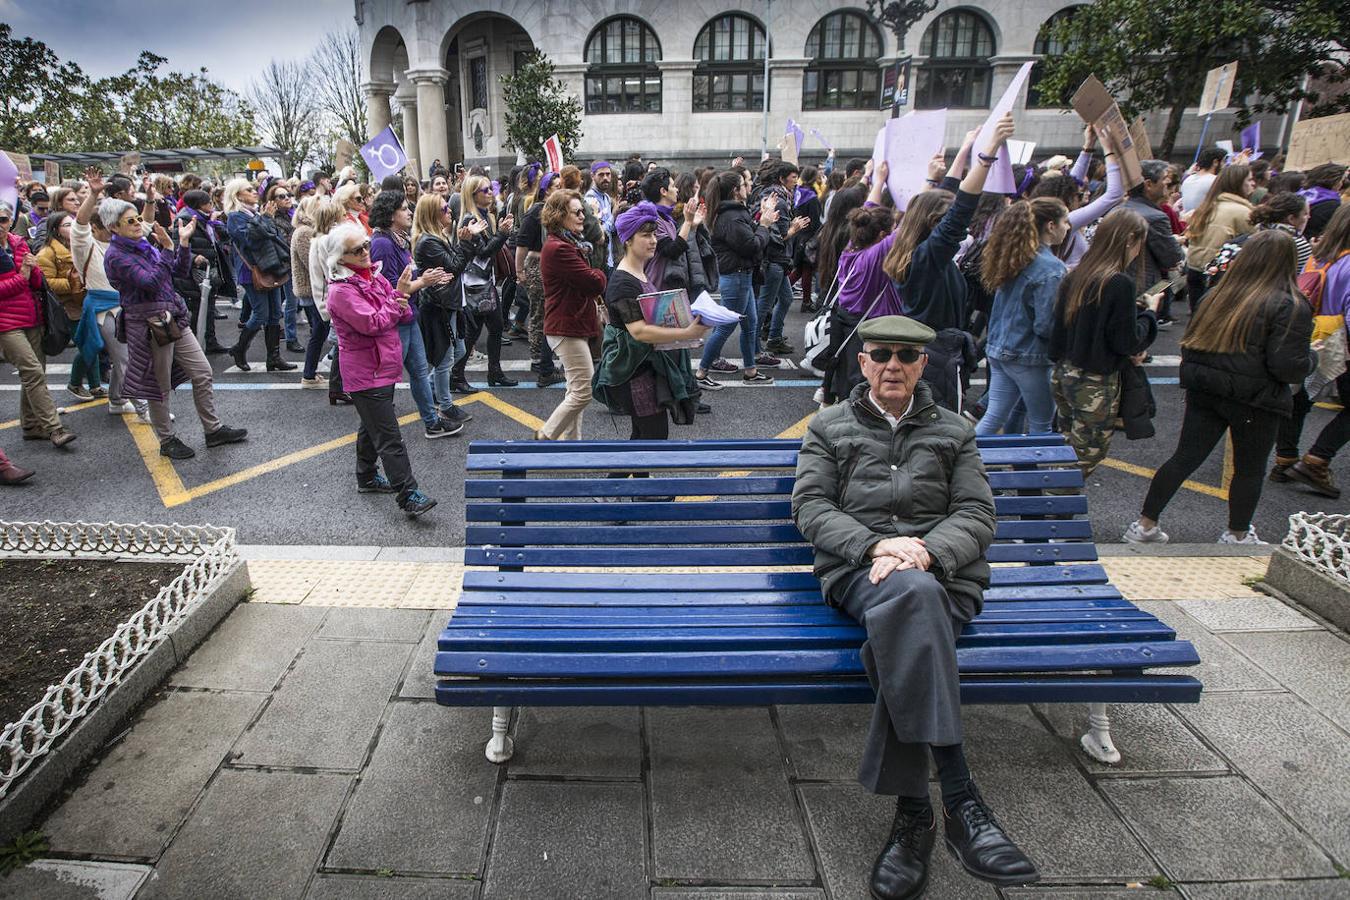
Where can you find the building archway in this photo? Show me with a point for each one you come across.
(474, 53)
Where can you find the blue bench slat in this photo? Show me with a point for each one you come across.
(1035, 479)
(1037, 658)
(720, 510)
(1045, 439)
(1052, 591)
(974, 690)
(671, 598)
(1042, 529)
(779, 555)
(1007, 576)
(643, 617)
(763, 603)
(739, 533)
(634, 459)
(562, 582)
(1050, 505)
(686, 486)
(1042, 553)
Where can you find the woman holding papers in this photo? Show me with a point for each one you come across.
(635, 378)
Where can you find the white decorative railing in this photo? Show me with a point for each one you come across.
(213, 553)
(1322, 541)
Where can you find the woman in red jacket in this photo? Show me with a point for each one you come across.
(571, 320)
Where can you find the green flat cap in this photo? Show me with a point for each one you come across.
(895, 330)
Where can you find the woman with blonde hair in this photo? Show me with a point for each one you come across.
(1020, 268)
(1223, 214)
(1098, 329)
(262, 250)
(304, 293)
(1243, 349)
(441, 306)
(65, 280)
(353, 205)
(482, 303)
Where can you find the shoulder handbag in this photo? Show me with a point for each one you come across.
(164, 329)
(55, 327)
(477, 287)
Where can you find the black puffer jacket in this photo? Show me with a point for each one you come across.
(736, 239)
(1276, 355)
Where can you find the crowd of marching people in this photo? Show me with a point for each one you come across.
(1061, 288)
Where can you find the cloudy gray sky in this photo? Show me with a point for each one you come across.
(234, 39)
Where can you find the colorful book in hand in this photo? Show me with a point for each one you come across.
(669, 309)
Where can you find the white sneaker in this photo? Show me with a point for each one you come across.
(117, 409)
(1138, 534)
(318, 381)
(143, 413)
(1249, 538)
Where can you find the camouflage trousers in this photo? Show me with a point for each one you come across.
(534, 288)
(1087, 404)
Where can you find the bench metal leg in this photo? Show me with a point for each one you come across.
(500, 747)
(1097, 742)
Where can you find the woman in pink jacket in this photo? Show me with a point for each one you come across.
(366, 313)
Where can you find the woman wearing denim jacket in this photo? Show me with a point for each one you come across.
(1024, 273)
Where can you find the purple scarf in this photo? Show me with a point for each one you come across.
(802, 195)
(1318, 194)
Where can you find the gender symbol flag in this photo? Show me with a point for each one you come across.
(384, 154)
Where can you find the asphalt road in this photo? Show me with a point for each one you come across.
(284, 486)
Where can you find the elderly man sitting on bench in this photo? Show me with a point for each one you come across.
(892, 494)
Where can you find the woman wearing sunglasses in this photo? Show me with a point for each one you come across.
(366, 313)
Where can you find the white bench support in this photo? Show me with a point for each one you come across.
(500, 747)
(1097, 742)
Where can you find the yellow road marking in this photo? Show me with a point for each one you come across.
(13, 423)
(534, 423)
(1144, 472)
(172, 491)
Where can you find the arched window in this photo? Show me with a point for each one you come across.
(730, 72)
(844, 48)
(621, 74)
(957, 72)
(1047, 45)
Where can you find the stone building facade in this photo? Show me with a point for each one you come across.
(682, 80)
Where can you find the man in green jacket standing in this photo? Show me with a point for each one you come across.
(892, 494)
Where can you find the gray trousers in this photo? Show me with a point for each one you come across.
(910, 659)
(187, 353)
(117, 353)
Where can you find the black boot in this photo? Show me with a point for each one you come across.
(901, 871)
(979, 843)
(499, 378)
(240, 350)
(275, 363)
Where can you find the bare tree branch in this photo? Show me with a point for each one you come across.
(285, 113)
(335, 72)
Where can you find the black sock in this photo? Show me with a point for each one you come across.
(953, 773)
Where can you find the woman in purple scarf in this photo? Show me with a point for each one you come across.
(162, 352)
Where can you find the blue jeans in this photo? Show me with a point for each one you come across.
(775, 298)
(440, 378)
(738, 295)
(1009, 382)
(264, 307)
(288, 304)
(318, 335)
(419, 371)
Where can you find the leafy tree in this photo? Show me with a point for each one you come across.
(900, 15)
(37, 91)
(1155, 55)
(538, 107)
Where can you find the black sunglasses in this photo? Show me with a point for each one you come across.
(357, 251)
(882, 355)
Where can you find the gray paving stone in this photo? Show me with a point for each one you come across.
(347, 887)
(361, 624)
(579, 839)
(255, 834)
(1149, 737)
(1078, 892)
(420, 681)
(1247, 614)
(734, 894)
(338, 552)
(135, 798)
(423, 802)
(1314, 665)
(1214, 829)
(58, 879)
(1033, 784)
(570, 741)
(421, 554)
(1338, 889)
(824, 742)
(722, 808)
(251, 649)
(1221, 668)
(325, 712)
(850, 826)
(1294, 755)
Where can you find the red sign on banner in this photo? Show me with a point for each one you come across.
(553, 150)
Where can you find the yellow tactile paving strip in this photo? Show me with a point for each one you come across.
(436, 585)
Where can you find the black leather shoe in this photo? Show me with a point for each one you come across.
(979, 843)
(501, 379)
(226, 435)
(901, 871)
(551, 378)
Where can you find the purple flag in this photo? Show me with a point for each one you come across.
(384, 154)
(9, 190)
(1251, 136)
(796, 131)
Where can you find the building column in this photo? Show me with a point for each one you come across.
(432, 137)
(377, 105)
(412, 144)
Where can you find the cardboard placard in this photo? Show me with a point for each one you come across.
(52, 171)
(1143, 148)
(1093, 100)
(22, 164)
(787, 149)
(1218, 89)
(1316, 141)
(128, 163)
(344, 151)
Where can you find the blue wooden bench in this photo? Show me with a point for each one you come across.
(566, 611)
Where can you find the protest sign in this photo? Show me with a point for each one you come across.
(906, 145)
(553, 150)
(798, 135)
(1225, 146)
(53, 172)
(128, 163)
(1251, 137)
(1143, 148)
(22, 164)
(1317, 141)
(787, 149)
(1020, 151)
(1000, 180)
(815, 133)
(9, 187)
(384, 154)
(1094, 105)
(1218, 89)
(895, 84)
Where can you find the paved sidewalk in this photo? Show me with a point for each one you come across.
(299, 754)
